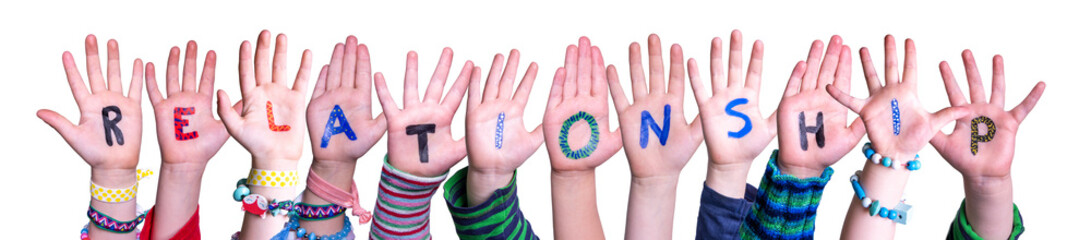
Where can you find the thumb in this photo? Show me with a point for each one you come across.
(58, 122)
(947, 115)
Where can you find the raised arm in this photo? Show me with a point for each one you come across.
(188, 138)
(107, 138)
(578, 139)
(985, 160)
(655, 158)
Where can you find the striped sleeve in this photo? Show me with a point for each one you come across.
(498, 217)
(961, 229)
(402, 207)
(786, 206)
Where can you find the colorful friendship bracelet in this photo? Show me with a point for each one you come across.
(309, 212)
(259, 205)
(911, 165)
(898, 214)
(104, 222)
(270, 178)
(116, 195)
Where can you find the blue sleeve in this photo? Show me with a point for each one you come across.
(719, 216)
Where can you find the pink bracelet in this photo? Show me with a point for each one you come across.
(335, 195)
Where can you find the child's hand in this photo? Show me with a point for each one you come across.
(655, 145)
(732, 121)
(991, 145)
(343, 92)
(271, 124)
(812, 125)
(187, 132)
(420, 141)
(897, 124)
(105, 107)
(586, 141)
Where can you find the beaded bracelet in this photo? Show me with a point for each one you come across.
(911, 165)
(258, 205)
(898, 214)
(113, 225)
(116, 195)
(311, 212)
(293, 226)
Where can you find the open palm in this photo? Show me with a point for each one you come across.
(996, 128)
(498, 140)
(431, 117)
(120, 149)
(579, 87)
(343, 91)
(202, 135)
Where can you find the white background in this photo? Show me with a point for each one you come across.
(46, 193)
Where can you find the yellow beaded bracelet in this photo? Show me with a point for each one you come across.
(116, 195)
(269, 178)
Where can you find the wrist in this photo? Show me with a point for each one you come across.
(728, 179)
(572, 174)
(337, 173)
(481, 184)
(276, 164)
(982, 186)
(800, 171)
(113, 178)
(656, 185)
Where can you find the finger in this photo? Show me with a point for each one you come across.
(891, 52)
(695, 126)
(136, 81)
(1020, 112)
(439, 76)
(796, 80)
(977, 90)
(954, 94)
(319, 88)
(536, 136)
(854, 104)
(94, 69)
(280, 60)
(508, 79)
(302, 77)
(246, 70)
(363, 71)
(910, 63)
(113, 67)
(333, 77)
(939, 140)
(208, 74)
(75, 81)
(584, 65)
(997, 98)
(385, 100)
(262, 64)
(771, 121)
(522, 94)
(872, 77)
(636, 72)
(655, 64)
(830, 62)
(58, 122)
(843, 77)
(598, 74)
(571, 61)
(696, 83)
(189, 69)
(348, 64)
(173, 86)
(458, 90)
(230, 117)
(474, 90)
(677, 84)
(618, 93)
(948, 115)
(814, 61)
(734, 60)
(409, 94)
(753, 74)
(716, 62)
(858, 129)
(557, 91)
(492, 83)
(153, 88)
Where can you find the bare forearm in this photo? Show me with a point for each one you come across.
(256, 227)
(884, 186)
(989, 206)
(122, 211)
(481, 183)
(176, 200)
(651, 207)
(575, 211)
(337, 173)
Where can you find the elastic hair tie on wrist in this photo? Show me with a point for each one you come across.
(876, 158)
(270, 178)
(116, 195)
(104, 222)
(898, 214)
(326, 191)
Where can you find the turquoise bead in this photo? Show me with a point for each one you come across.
(312, 236)
(300, 233)
(869, 152)
(241, 182)
(893, 215)
(241, 192)
(914, 165)
(874, 208)
(886, 162)
(883, 212)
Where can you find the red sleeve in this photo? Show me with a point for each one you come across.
(190, 231)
